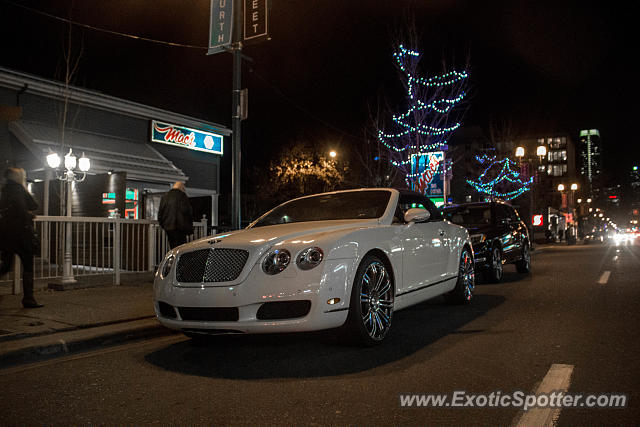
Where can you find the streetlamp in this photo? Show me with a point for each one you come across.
(541, 152)
(69, 174)
(333, 154)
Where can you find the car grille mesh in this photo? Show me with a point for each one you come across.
(211, 265)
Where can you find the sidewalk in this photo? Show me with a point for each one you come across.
(75, 320)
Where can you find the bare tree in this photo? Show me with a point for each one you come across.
(376, 169)
(66, 72)
(434, 106)
(503, 134)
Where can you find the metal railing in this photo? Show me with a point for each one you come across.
(100, 246)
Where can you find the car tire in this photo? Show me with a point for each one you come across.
(371, 305)
(466, 284)
(495, 270)
(524, 264)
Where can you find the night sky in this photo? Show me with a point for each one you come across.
(550, 67)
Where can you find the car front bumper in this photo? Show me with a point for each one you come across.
(327, 288)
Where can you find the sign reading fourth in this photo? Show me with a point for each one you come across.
(184, 137)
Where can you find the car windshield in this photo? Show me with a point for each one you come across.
(468, 215)
(323, 207)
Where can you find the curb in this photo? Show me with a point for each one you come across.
(39, 348)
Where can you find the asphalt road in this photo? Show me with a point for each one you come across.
(565, 312)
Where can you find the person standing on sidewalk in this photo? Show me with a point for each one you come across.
(176, 215)
(16, 230)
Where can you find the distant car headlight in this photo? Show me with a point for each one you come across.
(276, 261)
(166, 266)
(476, 239)
(309, 258)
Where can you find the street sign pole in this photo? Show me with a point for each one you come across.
(236, 221)
(232, 23)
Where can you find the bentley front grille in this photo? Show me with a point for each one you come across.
(211, 265)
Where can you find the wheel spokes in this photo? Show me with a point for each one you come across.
(376, 299)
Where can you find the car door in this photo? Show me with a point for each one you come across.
(425, 247)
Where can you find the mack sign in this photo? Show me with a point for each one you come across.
(184, 137)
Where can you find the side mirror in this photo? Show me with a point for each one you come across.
(417, 215)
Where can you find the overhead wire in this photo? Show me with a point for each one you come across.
(174, 44)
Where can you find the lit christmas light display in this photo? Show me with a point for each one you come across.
(505, 177)
(429, 120)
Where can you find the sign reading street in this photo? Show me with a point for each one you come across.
(220, 25)
(256, 22)
(184, 137)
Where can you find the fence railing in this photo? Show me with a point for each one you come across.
(100, 246)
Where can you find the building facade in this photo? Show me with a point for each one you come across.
(590, 156)
(136, 151)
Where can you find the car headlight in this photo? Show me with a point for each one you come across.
(309, 258)
(276, 261)
(166, 266)
(476, 239)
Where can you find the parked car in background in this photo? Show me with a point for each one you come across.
(595, 236)
(342, 259)
(498, 236)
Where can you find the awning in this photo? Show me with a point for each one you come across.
(107, 153)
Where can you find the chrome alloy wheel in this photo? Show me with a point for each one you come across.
(468, 274)
(376, 300)
(496, 263)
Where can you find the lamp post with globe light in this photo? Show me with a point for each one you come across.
(70, 175)
(570, 207)
(541, 152)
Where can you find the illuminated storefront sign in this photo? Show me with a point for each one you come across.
(184, 137)
(538, 220)
(108, 198)
(429, 169)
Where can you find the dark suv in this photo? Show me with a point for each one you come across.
(498, 236)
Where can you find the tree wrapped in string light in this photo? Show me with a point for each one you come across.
(433, 113)
(498, 179)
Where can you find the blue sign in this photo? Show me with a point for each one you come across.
(428, 169)
(184, 137)
(220, 25)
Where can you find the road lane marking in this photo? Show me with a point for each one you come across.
(604, 278)
(557, 379)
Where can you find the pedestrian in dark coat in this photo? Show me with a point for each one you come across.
(176, 215)
(16, 230)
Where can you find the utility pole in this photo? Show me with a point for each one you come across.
(230, 26)
(236, 125)
(237, 115)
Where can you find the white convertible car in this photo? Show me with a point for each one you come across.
(342, 259)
